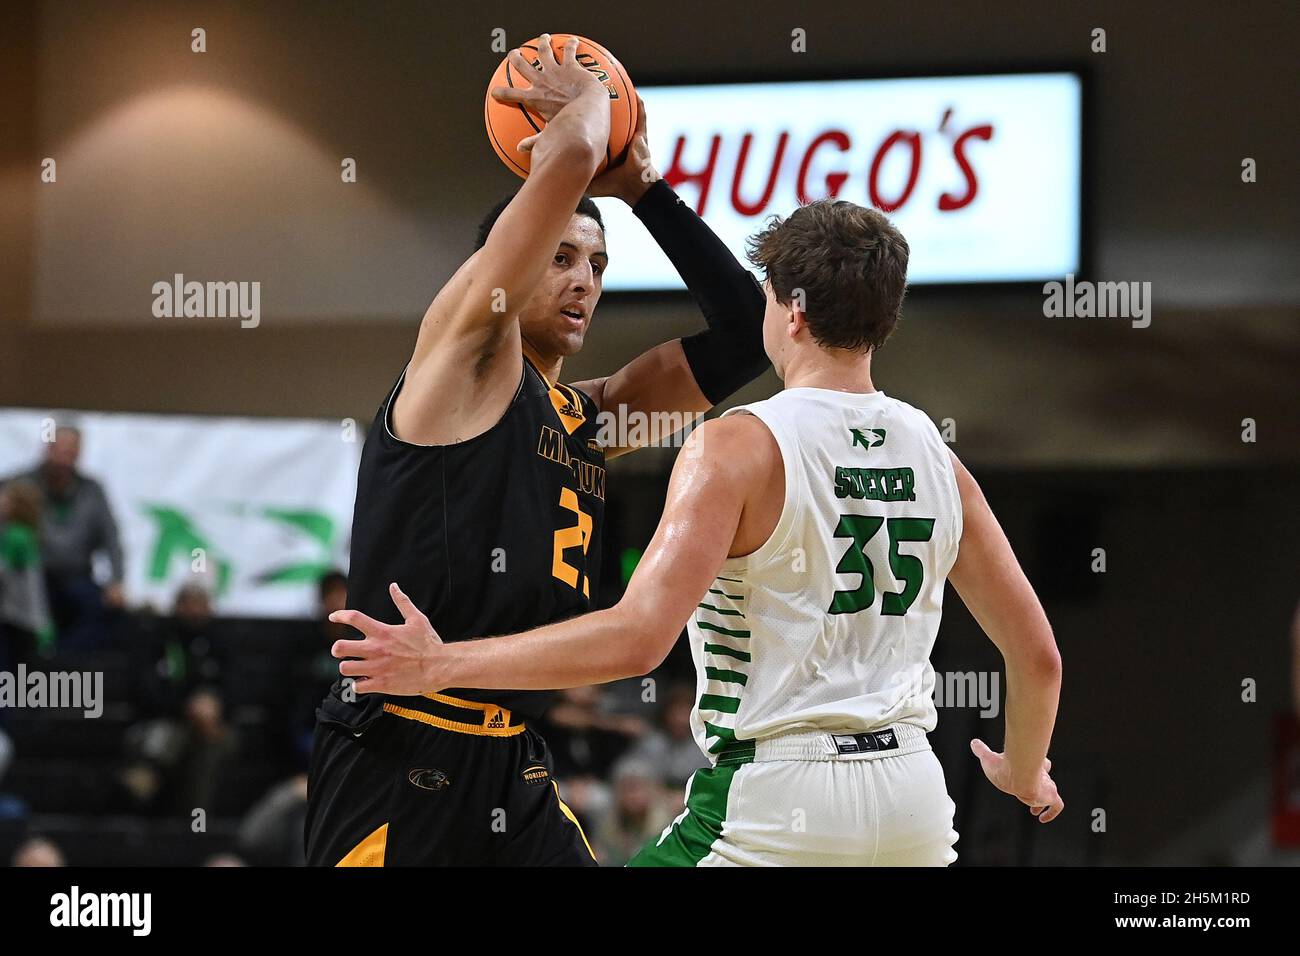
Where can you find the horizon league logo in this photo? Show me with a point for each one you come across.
(179, 538)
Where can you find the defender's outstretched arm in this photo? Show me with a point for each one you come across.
(718, 472)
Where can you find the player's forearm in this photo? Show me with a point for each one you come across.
(1033, 693)
(706, 265)
(576, 137)
(730, 352)
(591, 649)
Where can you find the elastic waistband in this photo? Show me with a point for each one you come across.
(892, 741)
(457, 715)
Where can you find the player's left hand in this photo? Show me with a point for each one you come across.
(400, 659)
(630, 179)
(1039, 793)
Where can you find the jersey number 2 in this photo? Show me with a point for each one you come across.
(906, 567)
(579, 535)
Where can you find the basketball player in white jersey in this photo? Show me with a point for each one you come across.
(804, 544)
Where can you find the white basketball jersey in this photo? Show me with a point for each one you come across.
(829, 625)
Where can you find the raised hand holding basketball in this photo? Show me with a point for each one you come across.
(630, 179)
(553, 84)
(533, 84)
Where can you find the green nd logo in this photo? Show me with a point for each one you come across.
(868, 438)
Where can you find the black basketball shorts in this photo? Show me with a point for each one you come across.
(434, 781)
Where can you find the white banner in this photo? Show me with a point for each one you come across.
(980, 173)
(257, 509)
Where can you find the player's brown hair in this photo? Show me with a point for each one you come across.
(850, 263)
(585, 208)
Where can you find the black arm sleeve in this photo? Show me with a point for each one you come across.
(729, 353)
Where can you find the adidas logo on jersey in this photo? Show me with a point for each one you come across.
(563, 401)
(496, 722)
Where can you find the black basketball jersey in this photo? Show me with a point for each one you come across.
(493, 535)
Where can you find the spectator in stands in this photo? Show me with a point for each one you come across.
(176, 756)
(26, 628)
(332, 589)
(585, 741)
(188, 657)
(670, 750)
(271, 832)
(6, 756)
(38, 851)
(584, 737)
(641, 810)
(77, 525)
(312, 668)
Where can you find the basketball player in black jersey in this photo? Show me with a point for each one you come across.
(482, 489)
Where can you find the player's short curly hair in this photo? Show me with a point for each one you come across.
(586, 207)
(847, 266)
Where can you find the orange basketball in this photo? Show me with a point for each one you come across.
(508, 123)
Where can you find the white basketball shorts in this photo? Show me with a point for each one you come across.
(815, 799)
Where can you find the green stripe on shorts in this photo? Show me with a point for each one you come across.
(690, 839)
